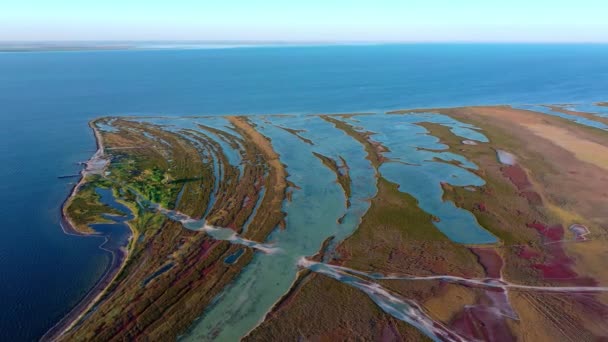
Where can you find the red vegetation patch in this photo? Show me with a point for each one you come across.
(555, 271)
(549, 234)
(482, 323)
(519, 178)
(558, 266)
(486, 320)
(481, 207)
(490, 260)
(533, 197)
(517, 175)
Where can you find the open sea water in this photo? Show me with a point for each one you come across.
(47, 98)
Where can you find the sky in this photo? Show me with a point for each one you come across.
(311, 20)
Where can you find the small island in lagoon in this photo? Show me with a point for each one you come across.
(464, 223)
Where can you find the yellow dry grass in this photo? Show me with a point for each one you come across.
(590, 257)
(584, 150)
(450, 302)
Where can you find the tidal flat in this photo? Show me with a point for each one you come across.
(400, 225)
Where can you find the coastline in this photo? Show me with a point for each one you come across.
(67, 225)
(118, 257)
(99, 295)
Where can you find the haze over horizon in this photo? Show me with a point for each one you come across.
(314, 21)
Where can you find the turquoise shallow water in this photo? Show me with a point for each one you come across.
(415, 161)
(46, 100)
(597, 110)
(312, 217)
(268, 276)
(416, 173)
(318, 203)
(314, 212)
(318, 209)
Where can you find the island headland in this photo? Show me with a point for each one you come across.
(443, 224)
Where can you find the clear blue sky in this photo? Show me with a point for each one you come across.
(312, 20)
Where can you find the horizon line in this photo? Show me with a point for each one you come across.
(277, 41)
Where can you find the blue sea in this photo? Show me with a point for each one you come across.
(47, 98)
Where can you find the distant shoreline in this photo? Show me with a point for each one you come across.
(158, 45)
(72, 46)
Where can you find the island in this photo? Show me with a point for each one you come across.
(453, 224)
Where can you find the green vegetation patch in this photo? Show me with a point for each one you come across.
(85, 208)
(395, 235)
